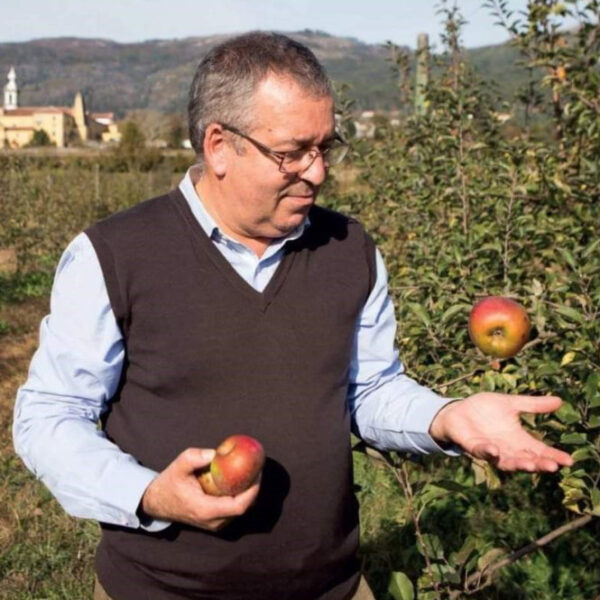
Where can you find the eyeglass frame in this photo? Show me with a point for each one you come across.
(280, 156)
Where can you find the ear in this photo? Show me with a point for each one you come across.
(215, 149)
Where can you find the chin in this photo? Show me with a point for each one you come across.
(283, 228)
(297, 219)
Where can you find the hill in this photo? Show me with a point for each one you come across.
(156, 74)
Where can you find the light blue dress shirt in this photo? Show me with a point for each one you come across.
(77, 367)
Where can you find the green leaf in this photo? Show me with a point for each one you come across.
(567, 358)
(572, 497)
(573, 439)
(573, 482)
(400, 586)
(441, 489)
(510, 379)
(489, 381)
(476, 146)
(431, 493)
(485, 473)
(490, 557)
(582, 454)
(466, 551)
(590, 249)
(572, 506)
(433, 547)
(446, 573)
(547, 369)
(594, 422)
(456, 308)
(571, 313)
(568, 414)
(451, 486)
(420, 311)
(592, 390)
(561, 185)
(537, 288)
(556, 425)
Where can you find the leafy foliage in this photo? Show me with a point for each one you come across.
(463, 208)
(39, 138)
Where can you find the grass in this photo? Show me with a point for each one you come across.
(44, 554)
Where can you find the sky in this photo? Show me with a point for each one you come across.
(371, 21)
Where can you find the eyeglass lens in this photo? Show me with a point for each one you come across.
(301, 160)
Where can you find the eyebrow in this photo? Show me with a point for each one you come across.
(308, 141)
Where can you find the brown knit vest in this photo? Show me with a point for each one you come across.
(208, 356)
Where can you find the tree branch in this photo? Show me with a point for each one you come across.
(474, 583)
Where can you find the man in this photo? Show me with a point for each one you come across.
(235, 305)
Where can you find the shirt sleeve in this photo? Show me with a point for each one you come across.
(390, 411)
(72, 377)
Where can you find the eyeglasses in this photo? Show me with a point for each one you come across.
(293, 162)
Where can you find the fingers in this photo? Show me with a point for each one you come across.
(536, 404)
(176, 494)
(527, 462)
(548, 459)
(215, 512)
(486, 451)
(562, 459)
(193, 459)
(230, 506)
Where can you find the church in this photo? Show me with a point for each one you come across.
(64, 125)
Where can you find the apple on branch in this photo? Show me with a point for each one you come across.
(235, 467)
(499, 326)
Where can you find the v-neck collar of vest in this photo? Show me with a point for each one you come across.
(203, 243)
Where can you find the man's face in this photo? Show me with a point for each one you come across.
(262, 202)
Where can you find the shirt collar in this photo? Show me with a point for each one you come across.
(187, 188)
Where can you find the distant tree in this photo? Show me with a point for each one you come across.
(132, 138)
(176, 132)
(132, 154)
(40, 138)
(153, 123)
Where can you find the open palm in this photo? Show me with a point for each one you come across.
(488, 426)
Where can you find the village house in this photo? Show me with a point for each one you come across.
(64, 125)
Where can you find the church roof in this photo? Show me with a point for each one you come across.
(27, 111)
(19, 112)
(17, 128)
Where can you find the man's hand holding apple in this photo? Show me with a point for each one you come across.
(176, 494)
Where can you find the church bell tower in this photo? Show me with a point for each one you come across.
(11, 91)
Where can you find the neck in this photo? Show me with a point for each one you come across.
(213, 201)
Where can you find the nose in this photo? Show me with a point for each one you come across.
(316, 172)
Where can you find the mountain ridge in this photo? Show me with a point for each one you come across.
(156, 74)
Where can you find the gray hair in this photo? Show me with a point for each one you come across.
(227, 77)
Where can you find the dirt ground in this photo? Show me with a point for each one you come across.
(16, 350)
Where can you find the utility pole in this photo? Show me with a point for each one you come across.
(422, 79)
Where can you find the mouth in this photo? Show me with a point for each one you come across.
(301, 194)
(300, 202)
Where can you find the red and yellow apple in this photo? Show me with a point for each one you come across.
(235, 467)
(499, 326)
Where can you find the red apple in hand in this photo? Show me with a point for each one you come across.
(499, 326)
(235, 467)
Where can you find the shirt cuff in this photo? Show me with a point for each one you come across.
(138, 480)
(419, 417)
